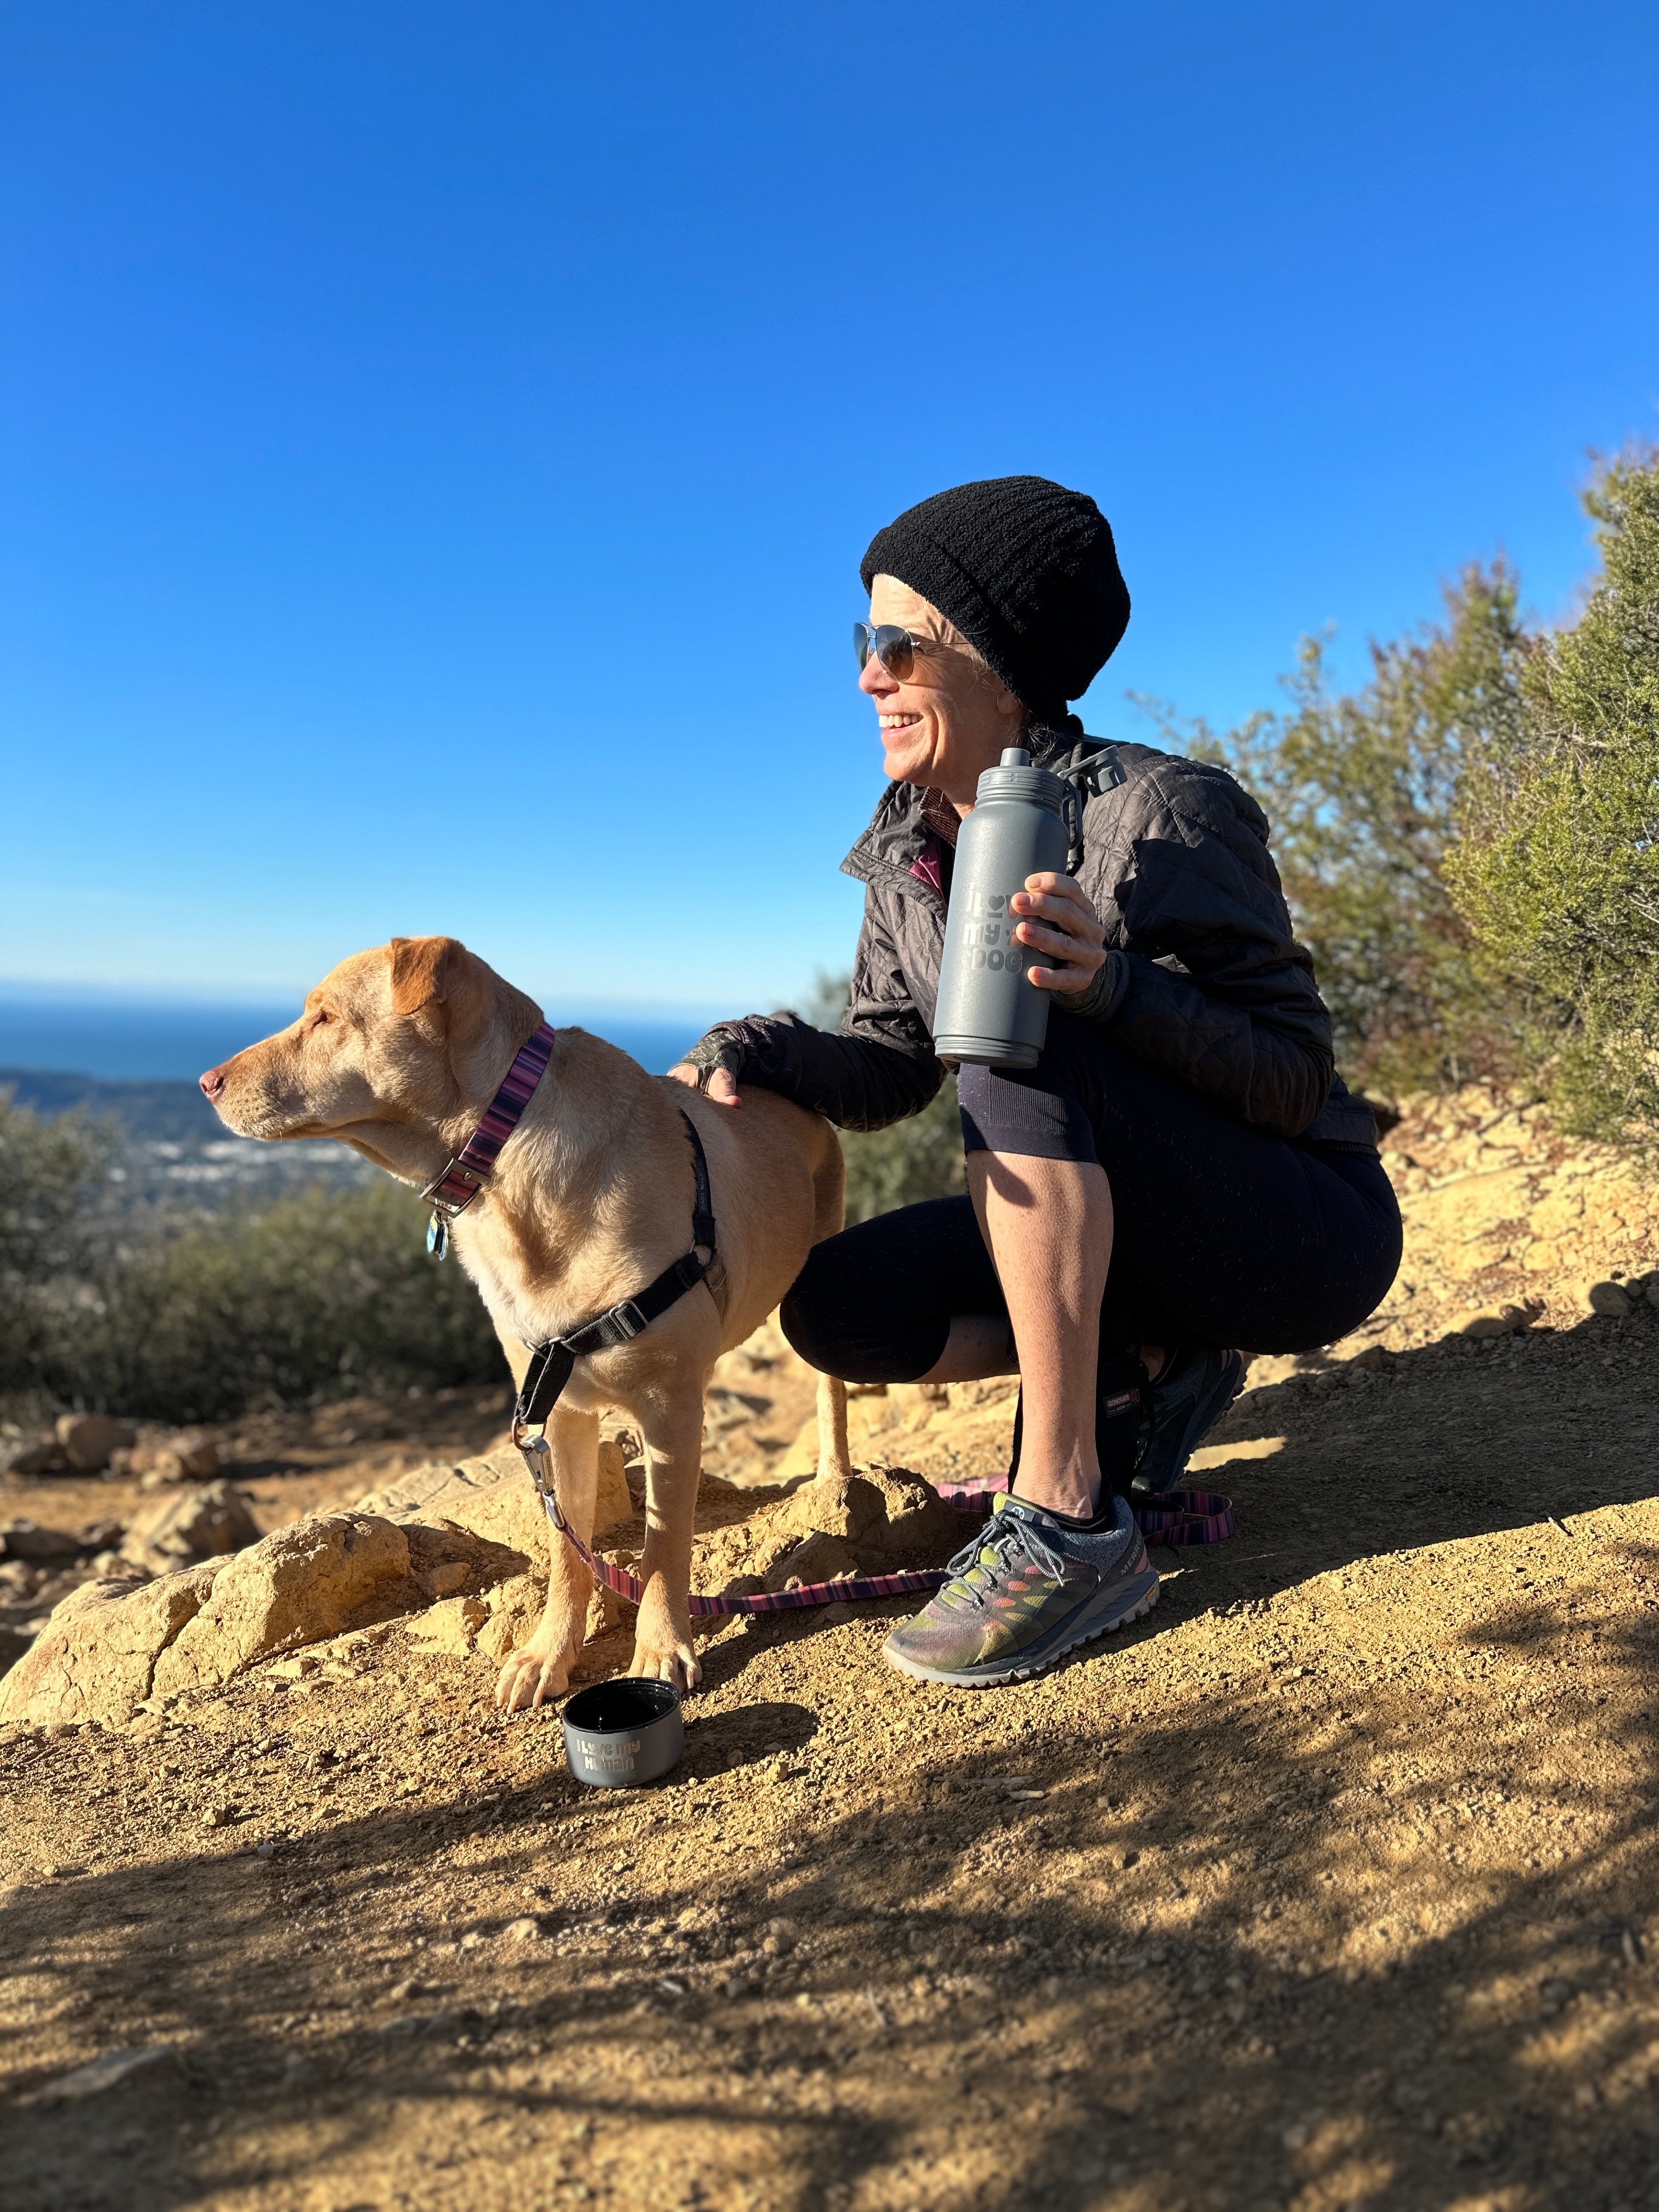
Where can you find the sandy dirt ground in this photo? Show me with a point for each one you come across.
(1333, 1883)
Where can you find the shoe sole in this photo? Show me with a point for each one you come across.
(1019, 1666)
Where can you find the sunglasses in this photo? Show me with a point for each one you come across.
(894, 647)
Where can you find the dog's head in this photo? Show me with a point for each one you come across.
(402, 1039)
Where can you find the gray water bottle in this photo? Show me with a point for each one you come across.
(1026, 820)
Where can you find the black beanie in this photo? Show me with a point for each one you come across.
(1026, 570)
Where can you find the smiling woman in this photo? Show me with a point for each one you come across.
(1182, 1173)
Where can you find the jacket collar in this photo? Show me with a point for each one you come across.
(893, 841)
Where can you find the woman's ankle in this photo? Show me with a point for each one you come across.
(1074, 1494)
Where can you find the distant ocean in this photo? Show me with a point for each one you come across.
(138, 1040)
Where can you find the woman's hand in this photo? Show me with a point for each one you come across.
(1064, 926)
(721, 1086)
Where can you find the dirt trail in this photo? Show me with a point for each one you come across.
(1333, 1883)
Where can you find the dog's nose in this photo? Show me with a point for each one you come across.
(212, 1083)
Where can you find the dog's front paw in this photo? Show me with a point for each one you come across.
(667, 1659)
(535, 1672)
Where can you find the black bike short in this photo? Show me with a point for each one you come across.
(1223, 1236)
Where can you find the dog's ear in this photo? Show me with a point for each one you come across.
(422, 968)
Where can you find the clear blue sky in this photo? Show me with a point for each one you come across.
(437, 442)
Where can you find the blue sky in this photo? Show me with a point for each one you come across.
(438, 443)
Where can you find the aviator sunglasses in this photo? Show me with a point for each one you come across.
(894, 647)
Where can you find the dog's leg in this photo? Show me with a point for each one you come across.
(833, 1456)
(673, 1449)
(541, 1668)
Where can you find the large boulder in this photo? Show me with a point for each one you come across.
(88, 1439)
(299, 1585)
(492, 1497)
(95, 1658)
(200, 1524)
(495, 1499)
(107, 1647)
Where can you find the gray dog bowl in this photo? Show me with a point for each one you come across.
(620, 1734)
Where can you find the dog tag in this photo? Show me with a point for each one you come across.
(437, 1236)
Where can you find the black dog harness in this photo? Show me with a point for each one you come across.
(551, 1363)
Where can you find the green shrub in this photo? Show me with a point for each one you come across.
(51, 1175)
(1558, 875)
(1362, 792)
(208, 1317)
(325, 1294)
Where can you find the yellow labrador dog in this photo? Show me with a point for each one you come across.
(397, 1053)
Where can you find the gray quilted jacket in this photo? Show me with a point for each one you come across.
(1203, 979)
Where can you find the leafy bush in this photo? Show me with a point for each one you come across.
(1363, 792)
(1558, 875)
(51, 1174)
(207, 1318)
(322, 1293)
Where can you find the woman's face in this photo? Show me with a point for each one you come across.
(951, 717)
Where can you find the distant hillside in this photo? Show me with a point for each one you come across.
(175, 1149)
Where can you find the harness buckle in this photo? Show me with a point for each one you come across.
(628, 1320)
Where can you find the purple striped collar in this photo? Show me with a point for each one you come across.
(454, 1190)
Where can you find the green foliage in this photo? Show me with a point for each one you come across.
(1362, 790)
(1558, 873)
(911, 1160)
(326, 1293)
(51, 1176)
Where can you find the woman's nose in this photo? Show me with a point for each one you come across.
(874, 679)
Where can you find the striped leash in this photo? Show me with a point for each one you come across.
(1181, 1516)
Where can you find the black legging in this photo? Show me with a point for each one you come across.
(1223, 1236)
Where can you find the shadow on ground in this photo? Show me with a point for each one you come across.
(1327, 1886)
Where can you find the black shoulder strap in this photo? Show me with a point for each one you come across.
(551, 1363)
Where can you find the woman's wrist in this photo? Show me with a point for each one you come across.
(725, 1046)
(1097, 1001)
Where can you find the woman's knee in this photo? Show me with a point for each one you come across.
(832, 1320)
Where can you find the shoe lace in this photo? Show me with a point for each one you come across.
(987, 1561)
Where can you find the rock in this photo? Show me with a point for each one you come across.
(816, 1559)
(1610, 1299)
(88, 1439)
(189, 1456)
(95, 1658)
(450, 1627)
(1652, 1291)
(203, 1524)
(522, 1931)
(616, 1500)
(515, 1607)
(445, 1560)
(299, 1585)
(884, 1513)
(23, 1540)
(493, 1497)
(100, 2076)
(46, 1458)
(605, 1612)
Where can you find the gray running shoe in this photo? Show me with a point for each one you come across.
(1189, 1398)
(1025, 1592)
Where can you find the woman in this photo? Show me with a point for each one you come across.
(1184, 1172)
